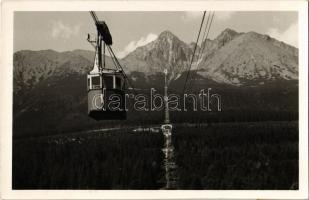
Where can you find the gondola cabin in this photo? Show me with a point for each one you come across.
(106, 87)
(106, 96)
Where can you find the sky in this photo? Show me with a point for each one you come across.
(66, 31)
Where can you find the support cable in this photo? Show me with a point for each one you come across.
(211, 20)
(198, 36)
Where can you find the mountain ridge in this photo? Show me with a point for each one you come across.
(225, 59)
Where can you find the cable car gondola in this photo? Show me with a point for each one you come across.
(106, 87)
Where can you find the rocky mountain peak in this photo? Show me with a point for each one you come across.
(250, 57)
(167, 39)
(225, 36)
(226, 32)
(166, 51)
(166, 34)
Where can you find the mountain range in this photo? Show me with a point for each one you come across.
(50, 86)
(232, 58)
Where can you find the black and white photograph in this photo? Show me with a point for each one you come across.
(163, 100)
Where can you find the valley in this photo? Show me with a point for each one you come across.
(208, 156)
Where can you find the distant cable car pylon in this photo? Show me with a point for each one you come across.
(166, 127)
(166, 110)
